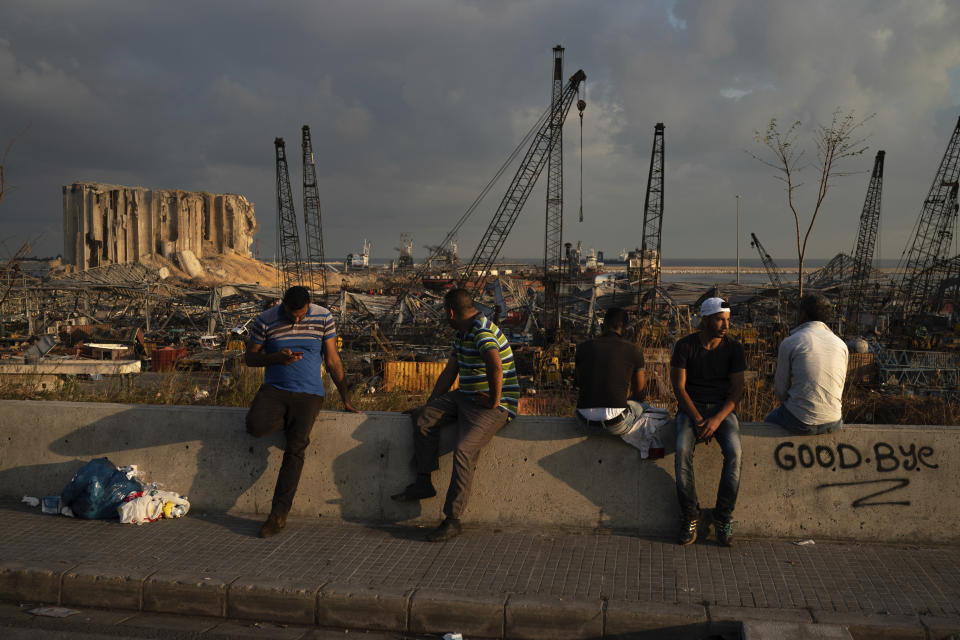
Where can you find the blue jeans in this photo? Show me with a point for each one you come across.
(782, 417)
(728, 437)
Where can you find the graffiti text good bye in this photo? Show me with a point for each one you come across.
(882, 457)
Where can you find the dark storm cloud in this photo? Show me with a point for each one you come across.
(414, 105)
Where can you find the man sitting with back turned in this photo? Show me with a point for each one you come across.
(811, 371)
(707, 375)
(486, 400)
(609, 373)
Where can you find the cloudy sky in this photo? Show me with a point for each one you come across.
(415, 104)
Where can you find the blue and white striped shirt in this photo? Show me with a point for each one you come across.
(275, 330)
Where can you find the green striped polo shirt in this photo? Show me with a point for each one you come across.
(468, 346)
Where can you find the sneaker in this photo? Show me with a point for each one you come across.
(415, 492)
(688, 531)
(274, 524)
(724, 531)
(449, 528)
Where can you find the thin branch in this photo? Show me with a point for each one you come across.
(834, 143)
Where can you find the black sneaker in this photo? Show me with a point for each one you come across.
(415, 492)
(688, 531)
(449, 528)
(724, 531)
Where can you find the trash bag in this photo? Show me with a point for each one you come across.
(97, 489)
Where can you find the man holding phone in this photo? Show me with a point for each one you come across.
(292, 340)
(707, 375)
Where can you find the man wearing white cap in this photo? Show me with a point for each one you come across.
(707, 375)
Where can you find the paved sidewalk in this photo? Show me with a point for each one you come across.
(485, 583)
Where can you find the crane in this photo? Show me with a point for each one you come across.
(553, 257)
(652, 223)
(866, 242)
(290, 271)
(933, 232)
(768, 263)
(519, 190)
(312, 220)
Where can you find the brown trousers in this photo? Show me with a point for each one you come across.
(294, 413)
(476, 426)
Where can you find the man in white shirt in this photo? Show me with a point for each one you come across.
(811, 371)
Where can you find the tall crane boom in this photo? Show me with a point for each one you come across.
(553, 237)
(312, 219)
(519, 190)
(290, 269)
(772, 271)
(934, 231)
(866, 242)
(652, 221)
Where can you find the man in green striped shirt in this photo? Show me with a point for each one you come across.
(485, 401)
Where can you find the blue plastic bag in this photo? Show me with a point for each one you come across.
(97, 489)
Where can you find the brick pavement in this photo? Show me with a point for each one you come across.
(587, 583)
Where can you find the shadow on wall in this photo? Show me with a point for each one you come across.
(594, 466)
(382, 464)
(220, 474)
(379, 464)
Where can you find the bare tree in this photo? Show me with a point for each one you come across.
(836, 142)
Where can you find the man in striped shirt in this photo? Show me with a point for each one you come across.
(485, 401)
(292, 340)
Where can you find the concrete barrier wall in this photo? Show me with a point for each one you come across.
(878, 483)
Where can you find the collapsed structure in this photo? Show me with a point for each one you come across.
(111, 224)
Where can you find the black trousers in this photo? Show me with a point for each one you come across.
(294, 413)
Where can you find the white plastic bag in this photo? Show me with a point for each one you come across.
(153, 506)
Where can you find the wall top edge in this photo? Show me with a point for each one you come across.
(754, 428)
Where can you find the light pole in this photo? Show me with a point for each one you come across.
(738, 238)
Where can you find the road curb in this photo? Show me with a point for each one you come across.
(89, 586)
(539, 617)
(874, 626)
(626, 617)
(405, 610)
(38, 580)
(357, 607)
(187, 593)
(290, 600)
(480, 615)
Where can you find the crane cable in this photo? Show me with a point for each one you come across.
(581, 105)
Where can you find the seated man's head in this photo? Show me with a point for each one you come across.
(296, 302)
(815, 306)
(458, 306)
(714, 317)
(615, 321)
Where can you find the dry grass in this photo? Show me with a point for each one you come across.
(235, 385)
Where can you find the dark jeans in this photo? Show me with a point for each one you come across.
(781, 416)
(294, 413)
(728, 437)
(476, 426)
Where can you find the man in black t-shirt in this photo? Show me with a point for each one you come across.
(707, 375)
(609, 373)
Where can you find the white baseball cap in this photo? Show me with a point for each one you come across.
(713, 306)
